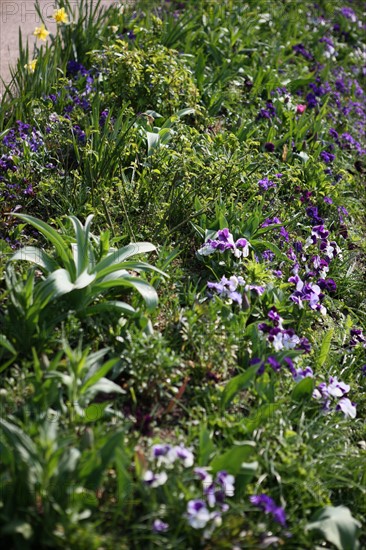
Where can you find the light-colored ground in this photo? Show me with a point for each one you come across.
(22, 13)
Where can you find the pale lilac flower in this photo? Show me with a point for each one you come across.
(300, 374)
(181, 453)
(160, 526)
(347, 407)
(155, 480)
(227, 482)
(197, 513)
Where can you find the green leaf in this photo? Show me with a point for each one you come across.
(54, 238)
(148, 292)
(337, 526)
(108, 306)
(4, 343)
(325, 347)
(102, 371)
(153, 142)
(81, 250)
(123, 253)
(93, 470)
(303, 389)
(206, 446)
(237, 384)
(36, 256)
(134, 266)
(260, 415)
(232, 460)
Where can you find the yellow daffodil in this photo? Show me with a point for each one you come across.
(41, 33)
(31, 66)
(60, 16)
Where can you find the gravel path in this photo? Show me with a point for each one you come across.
(21, 13)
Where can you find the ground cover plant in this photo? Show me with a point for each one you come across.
(183, 297)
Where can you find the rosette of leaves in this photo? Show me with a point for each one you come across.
(75, 278)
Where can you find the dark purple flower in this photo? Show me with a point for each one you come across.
(268, 505)
(273, 363)
(312, 102)
(266, 184)
(327, 157)
(348, 13)
(269, 146)
(301, 50)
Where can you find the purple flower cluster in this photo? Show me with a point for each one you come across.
(327, 157)
(215, 492)
(266, 184)
(348, 13)
(225, 241)
(301, 50)
(309, 292)
(335, 393)
(167, 455)
(315, 267)
(357, 337)
(22, 134)
(268, 506)
(269, 112)
(280, 338)
(282, 231)
(228, 288)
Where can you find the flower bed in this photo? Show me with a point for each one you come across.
(182, 326)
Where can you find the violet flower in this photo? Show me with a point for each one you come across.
(268, 505)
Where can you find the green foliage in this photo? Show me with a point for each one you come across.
(155, 78)
(162, 134)
(81, 271)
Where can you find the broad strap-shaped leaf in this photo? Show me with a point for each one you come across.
(81, 250)
(93, 377)
(108, 306)
(102, 385)
(153, 142)
(6, 344)
(134, 266)
(36, 256)
(124, 253)
(338, 526)
(59, 283)
(325, 347)
(54, 238)
(147, 291)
